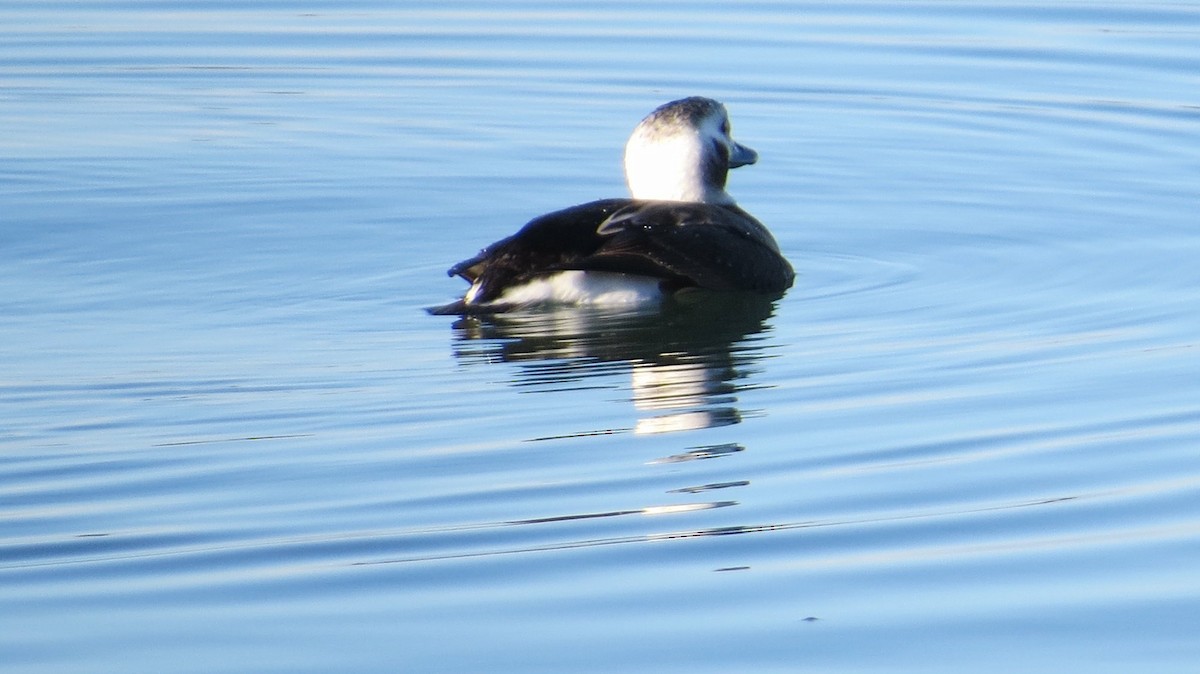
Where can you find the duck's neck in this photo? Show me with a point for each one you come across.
(673, 170)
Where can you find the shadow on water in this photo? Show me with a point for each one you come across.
(685, 360)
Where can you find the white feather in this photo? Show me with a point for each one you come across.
(590, 288)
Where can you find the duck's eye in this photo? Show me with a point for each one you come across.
(725, 127)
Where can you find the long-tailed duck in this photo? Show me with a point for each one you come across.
(680, 230)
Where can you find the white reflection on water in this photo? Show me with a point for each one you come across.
(685, 362)
(679, 388)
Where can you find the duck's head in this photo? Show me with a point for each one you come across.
(683, 152)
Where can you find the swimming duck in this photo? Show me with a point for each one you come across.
(680, 229)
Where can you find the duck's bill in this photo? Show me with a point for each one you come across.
(740, 155)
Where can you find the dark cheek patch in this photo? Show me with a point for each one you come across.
(716, 165)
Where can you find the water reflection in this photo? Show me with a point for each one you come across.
(684, 360)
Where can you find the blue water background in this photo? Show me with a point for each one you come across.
(231, 439)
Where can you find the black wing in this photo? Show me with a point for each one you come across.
(700, 245)
(552, 242)
(684, 244)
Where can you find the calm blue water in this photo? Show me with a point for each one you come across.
(231, 439)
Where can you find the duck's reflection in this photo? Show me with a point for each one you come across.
(682, 396)
(684, 359)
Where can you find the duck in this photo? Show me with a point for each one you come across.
(679, 230)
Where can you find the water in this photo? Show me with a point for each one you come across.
(233, 440)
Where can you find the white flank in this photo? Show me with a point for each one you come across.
(585, 288)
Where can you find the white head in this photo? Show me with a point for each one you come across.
(683, 152)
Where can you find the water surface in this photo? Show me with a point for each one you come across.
(232, 439)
